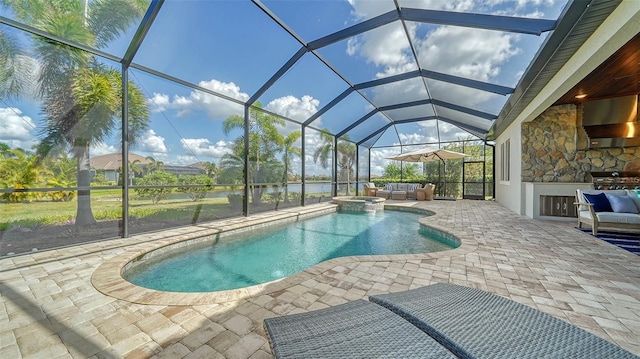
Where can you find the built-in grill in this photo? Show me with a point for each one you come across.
(614, 180)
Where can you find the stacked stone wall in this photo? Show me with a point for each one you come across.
(554, 149)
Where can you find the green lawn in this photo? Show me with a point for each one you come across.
(107, 204)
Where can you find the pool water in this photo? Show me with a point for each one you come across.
(275, 252)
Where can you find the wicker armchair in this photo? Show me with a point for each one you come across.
(370, 189)
(428, 190)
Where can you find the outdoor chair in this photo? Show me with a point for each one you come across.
(437, 321)
(427, 192)
(370, 189)
(357, 329)
(473, 323)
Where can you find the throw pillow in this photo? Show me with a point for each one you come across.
(388, 187)
(599, 201)
(635, 196)
(622, 204)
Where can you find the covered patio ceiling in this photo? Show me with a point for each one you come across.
(378, 73)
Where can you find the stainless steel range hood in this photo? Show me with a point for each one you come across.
(612, 122)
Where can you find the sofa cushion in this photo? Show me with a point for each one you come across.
(612, 217)
(402, 186)
(599, 201)
(635, 197)
(622, 204)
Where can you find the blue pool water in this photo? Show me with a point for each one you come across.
(271, 253)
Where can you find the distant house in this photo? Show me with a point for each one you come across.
(184, 170)
(111, 164)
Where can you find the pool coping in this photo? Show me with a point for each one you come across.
(108, 279)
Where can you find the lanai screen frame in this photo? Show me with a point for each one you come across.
(398, 15)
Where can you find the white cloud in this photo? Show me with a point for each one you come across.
(203, 149)
(407, 138)
(364, 9)
(102, 149)
(16, 130)
(450, 132)
(293, 107)
(472, 53)
(215, 107)
(386, 46)
(185, 160)
(151, 142)
(379, 159)
(159, 102)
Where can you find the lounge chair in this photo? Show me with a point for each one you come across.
(467, 322)
(477, 324)
(357, 329)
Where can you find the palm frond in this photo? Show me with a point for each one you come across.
(108, 19)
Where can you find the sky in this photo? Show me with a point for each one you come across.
(233, 48)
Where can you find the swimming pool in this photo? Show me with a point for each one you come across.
(275, 252)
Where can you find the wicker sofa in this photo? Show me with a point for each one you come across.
(399, 191)
(618, 209)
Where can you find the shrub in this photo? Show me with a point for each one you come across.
(196, 192)
(273, 197)
(158, 178)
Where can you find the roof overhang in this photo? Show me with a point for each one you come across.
(587, 34)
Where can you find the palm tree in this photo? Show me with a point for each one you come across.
(324, 152)
(14, 76)
(19, 170)
(289, 151)
(211, 170)
(134, 169)
(263, 145)
(346, 156)
(154, 165)
(346, 162)
(5, 150)
(81, 97)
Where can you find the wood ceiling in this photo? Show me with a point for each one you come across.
(618, 76)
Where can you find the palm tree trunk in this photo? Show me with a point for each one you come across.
(257, 193)
(286, 178)
(286, 189)
(84, 215)
(348, 185)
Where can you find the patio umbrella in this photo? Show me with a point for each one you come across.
(426, 155)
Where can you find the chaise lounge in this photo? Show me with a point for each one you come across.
(451, 321)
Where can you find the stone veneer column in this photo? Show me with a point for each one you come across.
(552, 150)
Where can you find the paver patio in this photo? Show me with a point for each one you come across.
(49, 307)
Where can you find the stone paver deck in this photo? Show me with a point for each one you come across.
(49, 307)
